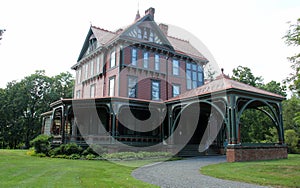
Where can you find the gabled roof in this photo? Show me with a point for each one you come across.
(147, 21)
(184, 47)
(105, 37)
(102, 36)
(224, 84)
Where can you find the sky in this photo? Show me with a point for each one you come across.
(48, 35)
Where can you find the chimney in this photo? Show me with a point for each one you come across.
(164, 28)
(150, 11)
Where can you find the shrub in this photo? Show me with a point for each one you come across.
(291, 139)
(94, 149)
(66, 149)
(134, 155)
(41, 144)
(72, 148)
(74, 156)
(90, 157)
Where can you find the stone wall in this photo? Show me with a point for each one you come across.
(237, 153)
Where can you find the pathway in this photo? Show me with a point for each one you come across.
(185, 173)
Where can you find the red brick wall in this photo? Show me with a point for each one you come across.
(254, 153)
(144, 76)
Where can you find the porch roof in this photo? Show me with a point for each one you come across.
(224, 84)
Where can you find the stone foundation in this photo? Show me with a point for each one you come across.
(236, 153)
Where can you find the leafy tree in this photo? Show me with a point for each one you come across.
(210, 73)
(244, 74)
(291, 139)
(23, 102)
(255, 125)
(274, 87)
(61, 86)
(292, 38)
(290, 109)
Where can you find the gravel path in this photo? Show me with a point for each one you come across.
(185, 173)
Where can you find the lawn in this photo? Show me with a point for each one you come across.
(20, 170)
(279, 173)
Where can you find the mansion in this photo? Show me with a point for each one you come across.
(138, 88)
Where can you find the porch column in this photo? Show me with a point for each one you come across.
(280, 126)
(231, 114)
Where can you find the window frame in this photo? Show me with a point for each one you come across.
(91, 68)
(111, 91)
(146, 60)
(78, 76)
(157, 62)
(134, 58)
(175, 69)
(92, 90)
(152, 90)
(112, 59)
(194, 75)
(86, 69)
(135, 87)
(179, 89)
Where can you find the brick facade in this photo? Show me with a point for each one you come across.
(254, 153)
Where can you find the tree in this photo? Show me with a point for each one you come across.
(274, 87)
(244, 74)
(256, 126)
(292, 38)
(23, 102)
(291, 109)
(210, 73)
(62, 86)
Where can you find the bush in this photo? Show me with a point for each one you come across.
(41, 144)
(291, 139)
(72, 148)
(94, 149)
(90, 157)
(66, 149)
(134, 155)
(74, 156)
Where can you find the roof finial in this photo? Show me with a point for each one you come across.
(222, 70)
(138, 16)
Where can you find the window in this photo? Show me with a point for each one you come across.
(78, 76)
(176, 90)
(112, 59)
(86, 71)
(146, 60)
(155, 87)
(145, 34)
(92, 68)
(98, 64)
(175, 67)
(156, 62)
(200, 75)
(132, 87)
(194, 75)
(139, 33)
(111, 91)
(92, 91)
(134, 56)
(78, 92)
(151, 37)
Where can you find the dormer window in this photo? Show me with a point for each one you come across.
(92, 43)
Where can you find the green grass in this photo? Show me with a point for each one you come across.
(280, 173)
(20, 170)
